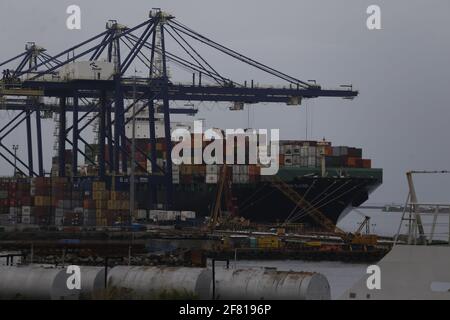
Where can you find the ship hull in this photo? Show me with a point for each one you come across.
(264, 203)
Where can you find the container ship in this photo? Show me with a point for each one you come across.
(333, 179)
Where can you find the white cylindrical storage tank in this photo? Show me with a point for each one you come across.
(92, 281)
(262, 284)
(158, 282)
(35, 282)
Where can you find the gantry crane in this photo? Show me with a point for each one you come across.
(38, 77)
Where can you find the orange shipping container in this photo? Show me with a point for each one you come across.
(351, 162)
(281, 159)
(89, 204)
(367, 163)
(254, 170)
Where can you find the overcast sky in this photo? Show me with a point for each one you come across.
(401, 118)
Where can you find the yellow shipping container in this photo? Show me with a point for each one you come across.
(100, 195)
(98, 186)
(268, 242)
(118, 205)
(115, 195)
(114, 204)
(101, 204)
(125, 205)
(42, 201)
(369, 240)
(101, 222)
(314, 243)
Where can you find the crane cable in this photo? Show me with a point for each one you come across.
(315, 204)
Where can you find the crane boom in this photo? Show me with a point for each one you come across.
(216, 208)
(312, 211)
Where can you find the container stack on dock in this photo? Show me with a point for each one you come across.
(58, 201)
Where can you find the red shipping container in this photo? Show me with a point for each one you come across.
(367, 163)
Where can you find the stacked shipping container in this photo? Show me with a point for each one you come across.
(58, 201)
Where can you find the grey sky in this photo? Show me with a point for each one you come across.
(401, 118)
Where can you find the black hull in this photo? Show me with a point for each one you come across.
(262, 202)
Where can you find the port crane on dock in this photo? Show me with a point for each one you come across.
(35, 82)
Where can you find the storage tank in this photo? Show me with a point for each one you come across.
(35, 282)
(265, 284)
(92, 281)
(158, 282)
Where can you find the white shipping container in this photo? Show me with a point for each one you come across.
(59, 221)
(304, 151)
(311, 162)
(172, 215)
(161, 215)
(153, 214)
(59, 212)
(188, 214)
(212, 168)
(26, 211)
(244, 179)
(26, 219)
(288, 150)
(142, 214)
(288, 161)
(212, 178)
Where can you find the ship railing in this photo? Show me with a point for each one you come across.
(424, 223)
